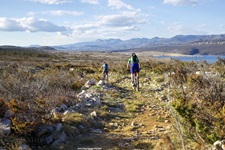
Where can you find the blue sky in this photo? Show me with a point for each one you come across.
(58, 22)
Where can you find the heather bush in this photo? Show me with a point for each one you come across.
(31, 96)
(199, 101)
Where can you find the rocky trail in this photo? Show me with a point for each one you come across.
(64, 104)
(111, 116)
(123, 118)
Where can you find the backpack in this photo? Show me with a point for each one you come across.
(105, 66)
(134, 59)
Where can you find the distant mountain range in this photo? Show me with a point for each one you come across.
(185, 44)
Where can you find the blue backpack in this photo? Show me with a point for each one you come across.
(105, 66)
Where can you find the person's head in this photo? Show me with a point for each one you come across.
(134, 57)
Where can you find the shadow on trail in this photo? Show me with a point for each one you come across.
(107, 141)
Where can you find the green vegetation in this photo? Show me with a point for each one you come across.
(23, 52)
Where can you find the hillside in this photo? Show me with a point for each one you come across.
(180, 44)
(195, 48)
(183, 44)
(47, 105)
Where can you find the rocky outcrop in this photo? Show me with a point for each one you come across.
(51, 134)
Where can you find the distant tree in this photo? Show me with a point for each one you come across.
(193, 51)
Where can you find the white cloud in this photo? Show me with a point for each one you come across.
(118, 4)
(35, 25)
(102, 32)
(181, 2)
(52, 1)
(10, 25)
(122, 20)
(124, 24)
(30, 25)
(65, 1)
(91, 1)
(57, 13)
(85, 28)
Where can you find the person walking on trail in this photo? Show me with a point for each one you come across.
(105, 70)
(135, 66)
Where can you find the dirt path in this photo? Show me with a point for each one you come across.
(143, 124)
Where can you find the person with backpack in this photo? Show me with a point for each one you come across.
(105, 71)
(135, 66)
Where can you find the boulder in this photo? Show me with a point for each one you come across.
(90, 82)
(219, 145)
(5, 126)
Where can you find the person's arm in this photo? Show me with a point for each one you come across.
(128, 64)
(101, 68)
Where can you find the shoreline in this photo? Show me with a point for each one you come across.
(152, 53)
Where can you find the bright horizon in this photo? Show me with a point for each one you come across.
(59, 22)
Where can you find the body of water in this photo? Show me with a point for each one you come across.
(196, 58)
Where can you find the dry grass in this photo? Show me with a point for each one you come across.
(32, 95)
